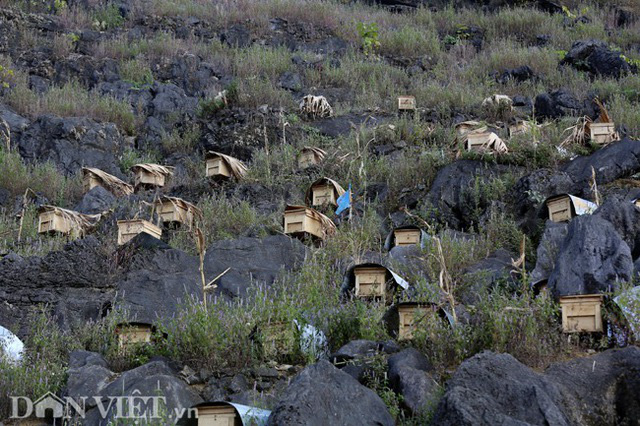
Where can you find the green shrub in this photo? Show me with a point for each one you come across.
(222, 219)
(369, 36)
(526, 327)
(137, 72)
(205, 336)
(42, 178)
(183, 140)
(131, 157)
(107, 17)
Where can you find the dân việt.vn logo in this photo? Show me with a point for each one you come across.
(135, 406)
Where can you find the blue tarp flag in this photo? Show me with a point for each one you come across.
(344, 201)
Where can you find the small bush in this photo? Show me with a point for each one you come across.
(183, 140)
(108, 17)
(136, 72)
(369, 35)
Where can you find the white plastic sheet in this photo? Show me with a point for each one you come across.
(11, 346)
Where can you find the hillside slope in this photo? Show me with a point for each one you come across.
(516, 104)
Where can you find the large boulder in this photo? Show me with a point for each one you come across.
(85, 69)
(595, 57)
(519, 74)
(615, 161)
(170, 105)
(97, 200)
(154, 379)
(17, 123)
(159, 280)
(607, 386)
(484, 275)
(409, 376)
(592, 259)
(455, 196)
(557, 104)
(530, 192)
(252, 261)
(72, 283)
(496, 389)
(550, 243)
(625, 218)
(321, 394)
(236, 36)
(88, 374)
(189, 73)
(72, 143)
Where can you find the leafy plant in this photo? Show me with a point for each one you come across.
(6, 74)
(369, 36)
(376, 379)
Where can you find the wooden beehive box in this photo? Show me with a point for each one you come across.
(217, 167)
(477, 141)
(278, 339)
(371, 281)
(128, 229)
(560, 209)
(52, 221)
(602, 133)
(409, 314)
(134, 333)
(307, 158)
(519, 127)
(174, 211)
(323, 194)
(146, 178)
(406, 237)
(582, 313)
(301, 221)
(406, 103)
(90, 181)
(218, 415)
(468, 126)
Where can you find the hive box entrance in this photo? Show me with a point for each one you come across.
(175, 211)
(581, 313)
(478, 141)
(147, 179)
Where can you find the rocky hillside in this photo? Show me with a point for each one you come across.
(444, 293)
